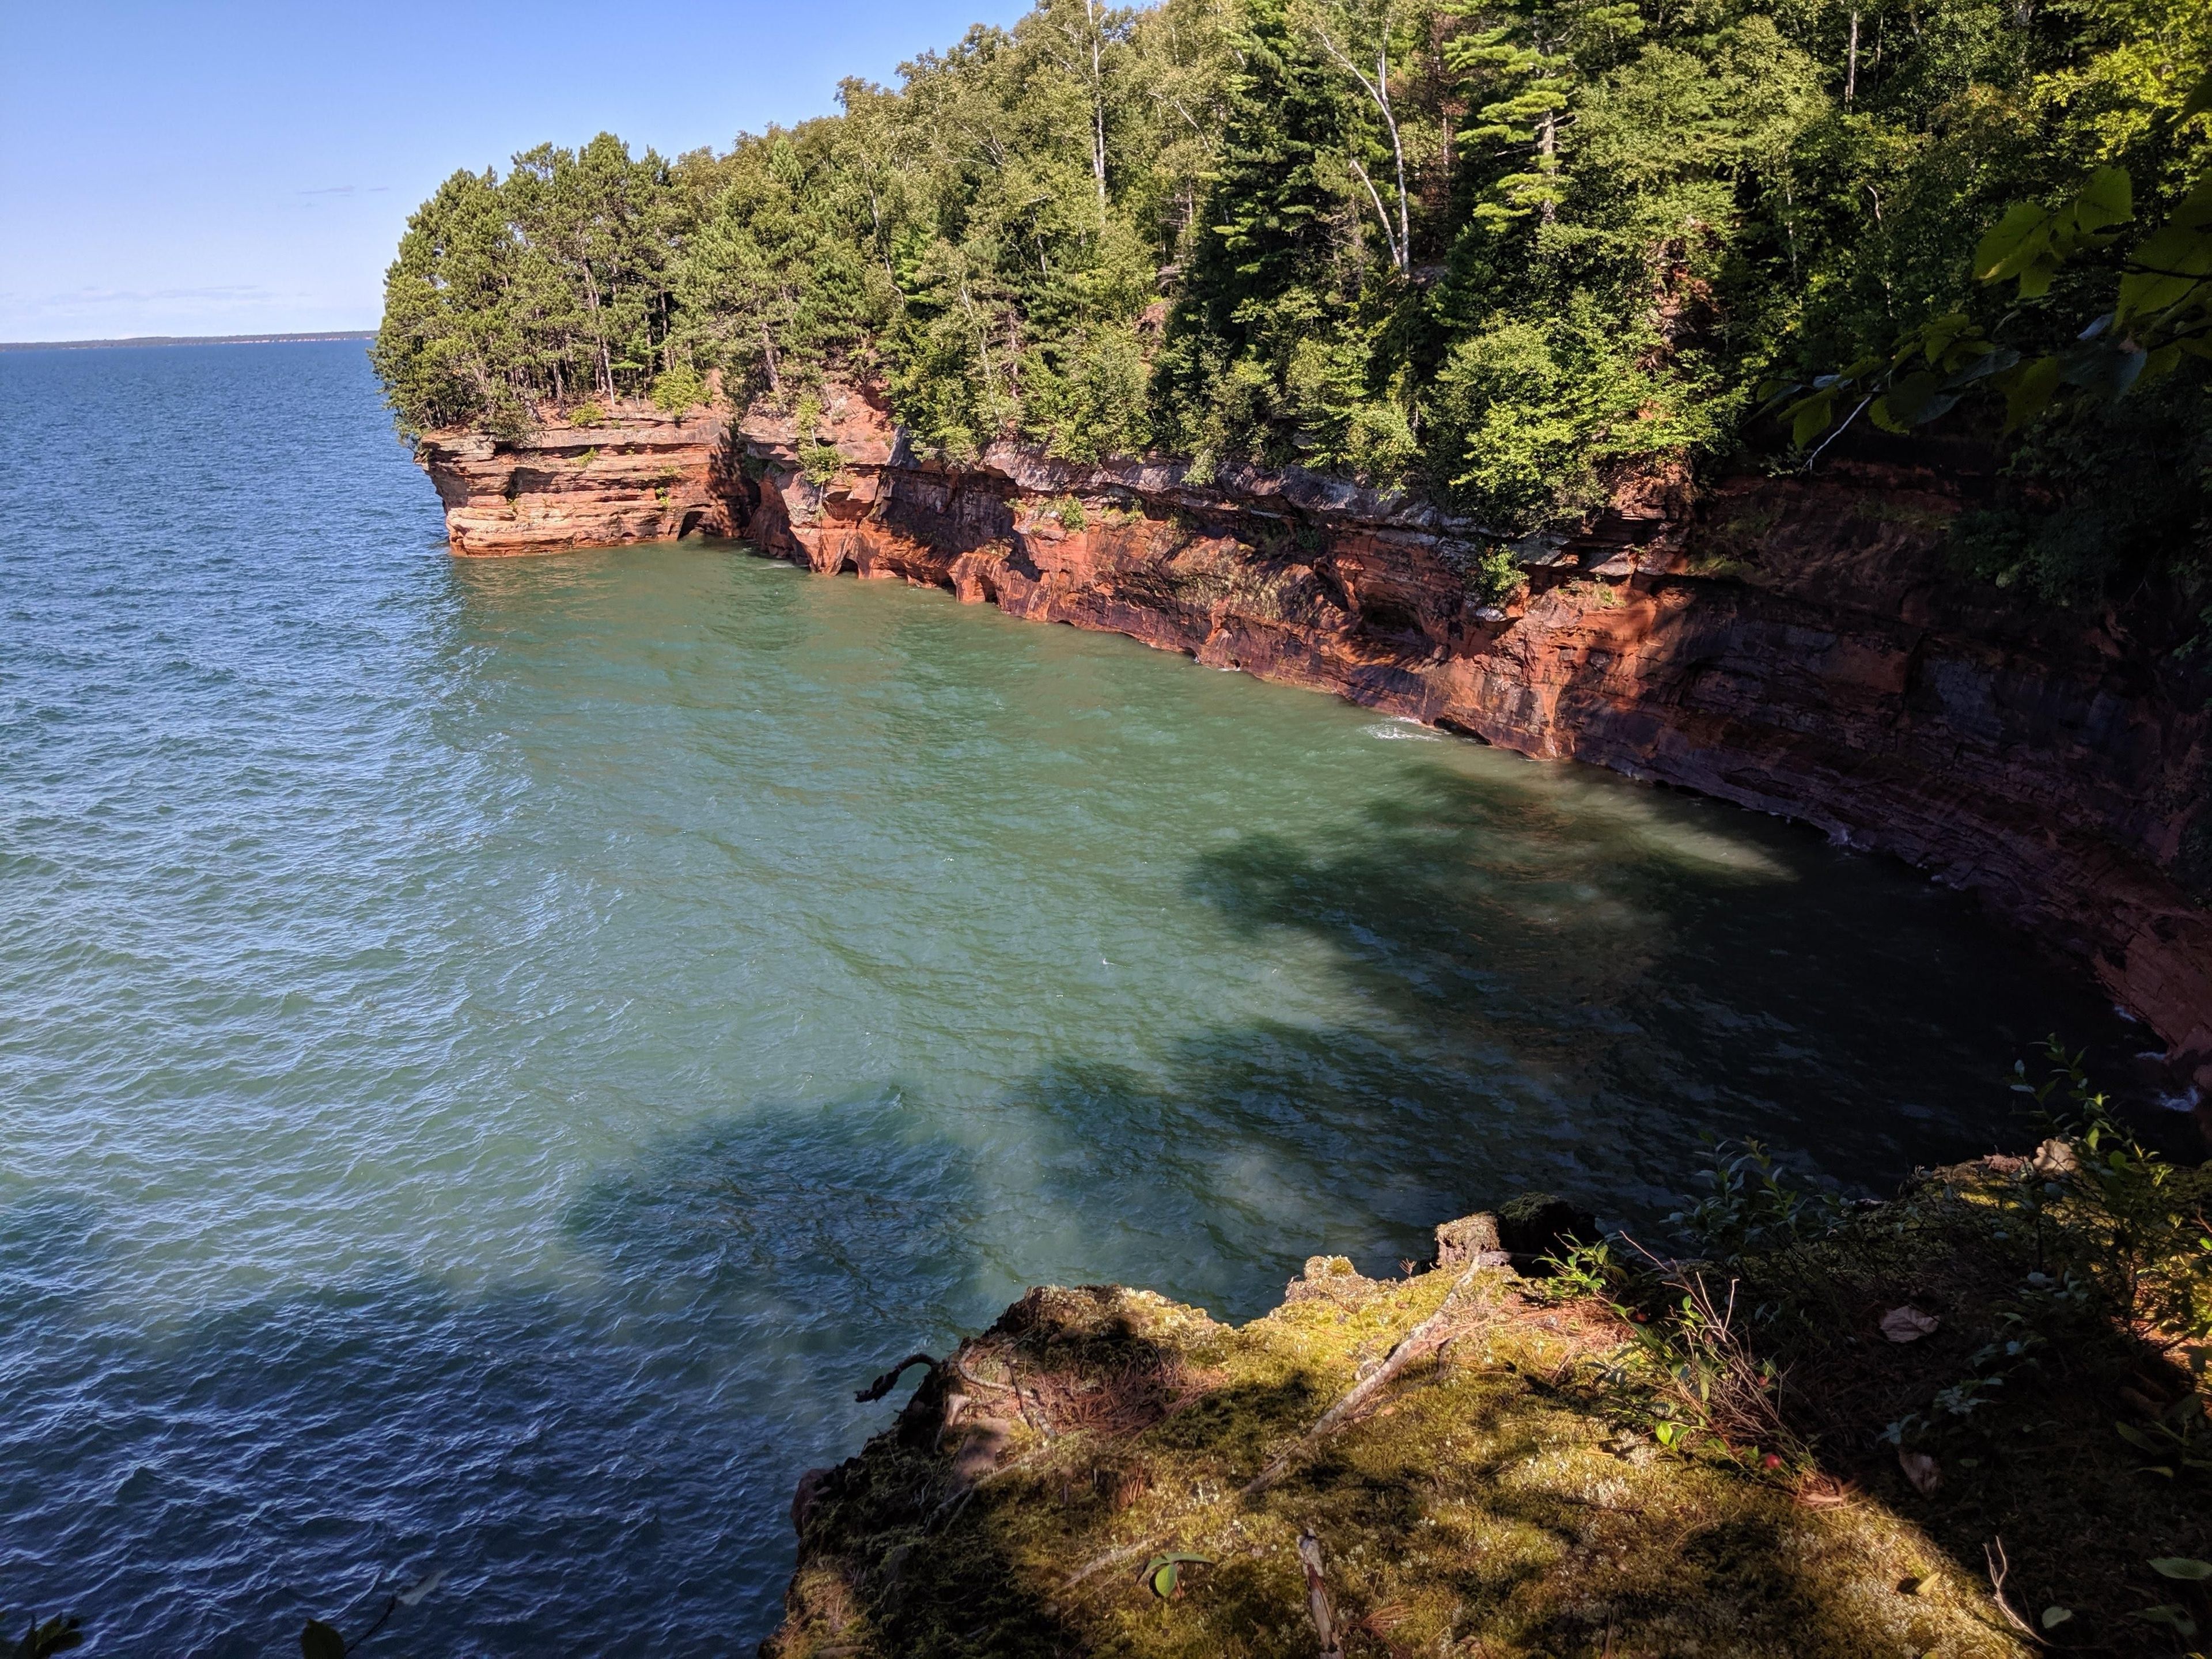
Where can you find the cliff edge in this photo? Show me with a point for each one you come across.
(1851, 1430)
(1397, 1468)
(1790, 644)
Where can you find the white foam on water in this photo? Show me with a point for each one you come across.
(1401, 727)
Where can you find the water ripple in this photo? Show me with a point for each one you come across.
(491, 1053)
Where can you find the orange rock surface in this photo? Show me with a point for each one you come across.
(637, 475)
(1787, 644)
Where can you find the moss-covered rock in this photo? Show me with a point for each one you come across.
(1030, 1492)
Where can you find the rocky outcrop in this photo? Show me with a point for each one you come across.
(636, 475)
(1790, 644)
(1421, 1465)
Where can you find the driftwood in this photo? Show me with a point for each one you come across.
(1324, 1616)
(1425, 1337)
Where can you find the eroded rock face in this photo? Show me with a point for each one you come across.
(1787, 644)
(637, 475)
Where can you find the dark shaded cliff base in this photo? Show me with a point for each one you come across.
(1485, 1464)
(1790, 644)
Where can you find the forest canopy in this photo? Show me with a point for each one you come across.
(1501, 250)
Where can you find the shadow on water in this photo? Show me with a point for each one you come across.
(1583, 1024)
(639, 1415)
(741, 1276)
(1676, 980)
(1534, 993)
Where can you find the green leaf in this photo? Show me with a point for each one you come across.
(1938, 335)
(2171, 1615)
(2105, 369)
(2035, 276)
(2135, 1437)
(1164, 1572)
(2054, 1616)
(2108, 199)
(2182, 1566)
(2174, 261)
(1987, 359)
(2160, 362)
(1915, 401)
(320, 1641)
(1879, 413)
(2198, 100)
(2012, 241)
(1811, 416)
(56, 1635)
(2028, 391)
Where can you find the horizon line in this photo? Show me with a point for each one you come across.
(189, 339)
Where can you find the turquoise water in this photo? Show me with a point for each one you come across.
(492, 1053)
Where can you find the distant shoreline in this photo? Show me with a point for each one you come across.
(188, 339)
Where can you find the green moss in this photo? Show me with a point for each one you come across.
(1477, 1508)
(1627, 1457)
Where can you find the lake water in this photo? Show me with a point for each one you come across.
(492, 1053)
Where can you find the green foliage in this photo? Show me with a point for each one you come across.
(1750, 1205)
(819, 460)
(1494, 576)
(1514, 254)
(674, 389)
(2135, 1223)
(550, 283)
(2106, 499)
(1586, 1270)
(2085, 295)
(1163, 1573)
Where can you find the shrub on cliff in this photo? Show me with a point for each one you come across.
(677, 389)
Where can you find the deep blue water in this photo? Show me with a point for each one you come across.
(492, 1053)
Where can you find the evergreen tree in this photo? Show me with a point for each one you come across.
(1511, 253)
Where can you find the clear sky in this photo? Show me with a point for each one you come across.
(230, 169)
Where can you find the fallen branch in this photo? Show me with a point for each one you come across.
(1425, 1337)
(883, 1384)
(960, 1366)
(1999, 1568)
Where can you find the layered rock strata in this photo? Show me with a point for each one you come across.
(637, 475)
(1790, 644)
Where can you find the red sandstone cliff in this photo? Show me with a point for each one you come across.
(1790, 644)
(637, 475)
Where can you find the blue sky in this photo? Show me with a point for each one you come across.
(226, 169)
